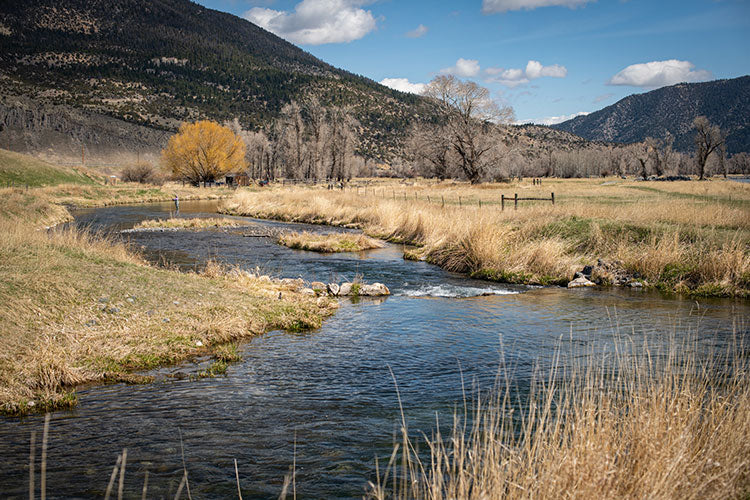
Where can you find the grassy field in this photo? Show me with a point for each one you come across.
(687, 237)
(643, 424)
(78, 309)
(329, 243)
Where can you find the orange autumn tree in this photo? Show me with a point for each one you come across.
(203, 151)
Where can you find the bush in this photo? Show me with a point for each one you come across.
(143, 173)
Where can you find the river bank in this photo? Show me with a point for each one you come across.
(681, 237)
(79, 308)
(325, 399)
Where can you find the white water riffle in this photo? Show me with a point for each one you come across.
(452, 291)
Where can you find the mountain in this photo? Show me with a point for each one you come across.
(113, 76)
(672, 109)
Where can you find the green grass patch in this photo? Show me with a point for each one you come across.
(19, 170)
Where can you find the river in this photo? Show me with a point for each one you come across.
(325, 399)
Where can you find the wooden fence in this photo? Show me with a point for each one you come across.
(516, 199)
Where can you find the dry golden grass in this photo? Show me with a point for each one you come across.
(189, 223)
(642, 426)
(77, 308)
(691, 237)
(100, 195)
(329, 243)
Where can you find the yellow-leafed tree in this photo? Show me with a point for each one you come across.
(203, 151)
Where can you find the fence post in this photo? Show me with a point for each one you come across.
(502, 202)
(515, 202)
(442, 198)
(459, 201)
(428, 198)
(480, 202)
(553, 198)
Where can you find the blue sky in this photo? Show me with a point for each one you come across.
(548, 59)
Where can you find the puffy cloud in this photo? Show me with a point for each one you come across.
(418, 32)
(403, 84)
(465, 68)
(659, 73)
(497, 6)
(552, 120)
(534, 69)
(315, 22)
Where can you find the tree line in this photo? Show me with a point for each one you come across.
(468, 138)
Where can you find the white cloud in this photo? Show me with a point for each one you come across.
(552, 120)
(659, 73)
(315, 22)
(403, 84)
(418, 32)
(465, 68)
(534, 69)
(497, 6)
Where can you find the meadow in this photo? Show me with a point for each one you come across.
(686, 237)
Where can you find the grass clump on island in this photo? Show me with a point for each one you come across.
(636, 424)
(188, 223)
(329, 243)
(78, 308)
(687, 237)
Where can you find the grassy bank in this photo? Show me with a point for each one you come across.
(329, 243)
(644, 424)
(20, 170)
(78, 309)
(687, 237)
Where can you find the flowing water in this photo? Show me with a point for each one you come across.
(325, 400)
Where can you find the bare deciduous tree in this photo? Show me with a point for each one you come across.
(294, 135)
(660, 151)
(708, 138)
(343, 136)
(430, 145)
(471, 117)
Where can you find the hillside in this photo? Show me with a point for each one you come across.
(135, 69)
(22, 170)
(672, 109)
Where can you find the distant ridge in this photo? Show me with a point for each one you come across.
(672, 109)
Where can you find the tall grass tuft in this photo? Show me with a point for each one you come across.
(637, 423)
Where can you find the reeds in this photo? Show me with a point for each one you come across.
(638, 423)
